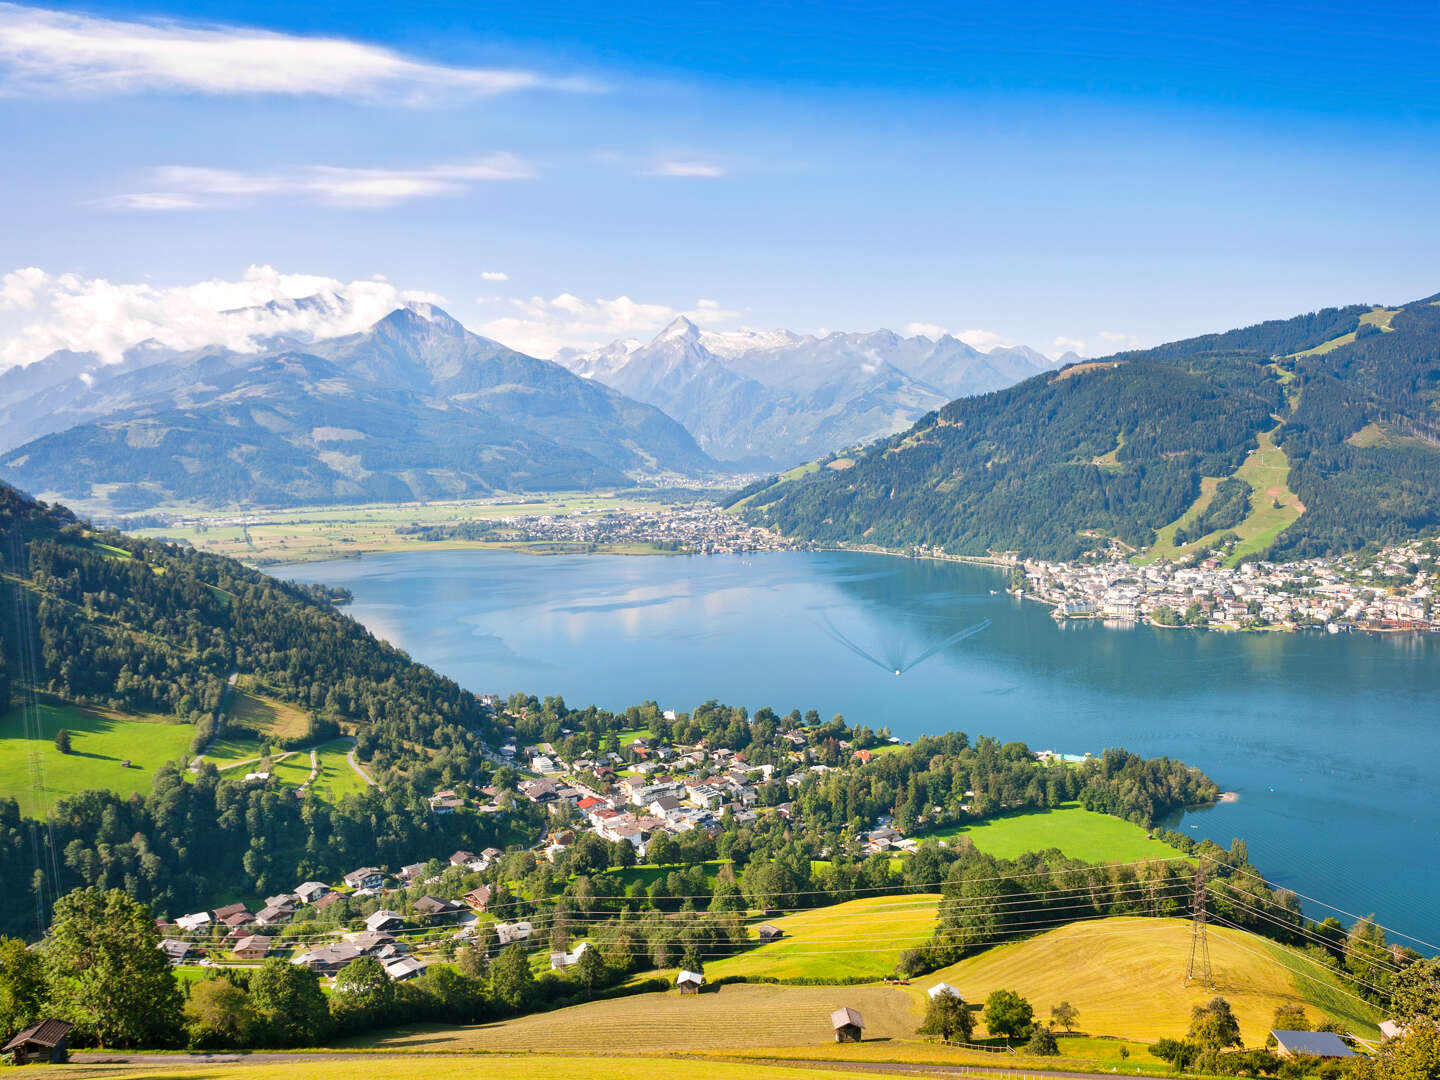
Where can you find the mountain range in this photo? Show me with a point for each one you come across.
(416, 407)
(765, 400)
(1344, 403)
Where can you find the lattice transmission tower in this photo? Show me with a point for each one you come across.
(1199, 967)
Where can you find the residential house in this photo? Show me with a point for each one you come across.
(254, 947)
(429, 905)
(384, 919)
(478, 898)
(328, 959)
(370, 942)
(462, 858)
(410, 873)
(327, 899)
(506, 933)
(223, 913)
(174, 949)
(311, 891)
(403, 967)
(367, 877)
(274, 916)
(192, 924)
(560, 960)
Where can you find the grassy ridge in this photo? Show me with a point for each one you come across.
(1127, 978)
(99, 742)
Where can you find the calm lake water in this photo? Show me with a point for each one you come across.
(1330, 742)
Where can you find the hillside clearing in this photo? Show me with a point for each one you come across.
(737, 1015)
(99, 741)
(1127, 978)
(1077, 832)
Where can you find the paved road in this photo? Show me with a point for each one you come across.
(360, 772)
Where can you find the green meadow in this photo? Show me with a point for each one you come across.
(99, 742)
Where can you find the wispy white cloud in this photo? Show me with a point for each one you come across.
(1119, 341)
(189, 187)
(687, 167)
(494, 275)
(542, 327)
(67, 311)
(1068, 344)
(61, 53)
(984, 340)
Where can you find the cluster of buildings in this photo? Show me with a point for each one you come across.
(670, 789)
(253, 937)
(698, 528)
(1394, 590)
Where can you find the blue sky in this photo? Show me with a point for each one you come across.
(1058, 175)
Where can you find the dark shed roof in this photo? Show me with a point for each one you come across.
(45, 1033)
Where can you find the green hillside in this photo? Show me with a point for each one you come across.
(131, 646)
(1329, 420)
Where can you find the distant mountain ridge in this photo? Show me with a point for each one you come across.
(769, 399)
(1121, 447)
(415, 407)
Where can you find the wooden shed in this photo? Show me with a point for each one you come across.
(847, 1024)
(47, 1041)
(769, 932)
(689, 982)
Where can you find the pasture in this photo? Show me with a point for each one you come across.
(733, 1016)
(100, 740)
(1077, 832)
(857, 938)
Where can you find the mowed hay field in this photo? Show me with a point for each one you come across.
(1077, 832)
(857, 938)
(440, 1067)
(738, 1016)
(1127, 978)
(99, 742)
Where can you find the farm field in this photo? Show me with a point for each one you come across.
(1077, 832)
(99, 742)
(737, 1015)
(1127, 978)
(857, 938)
(437, 1067)
(330, 532)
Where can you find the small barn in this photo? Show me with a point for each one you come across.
(47, 1041)
(1321, 1044)
(689, 982)
(769, 933)
(848, 1025)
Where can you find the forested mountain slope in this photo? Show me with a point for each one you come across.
(1117, 448)
(142, 626)
(416, 407)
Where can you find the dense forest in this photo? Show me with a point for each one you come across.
(146, 626)
(1117, 448)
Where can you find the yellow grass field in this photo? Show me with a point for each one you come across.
(861, 937)
(1127, 978)
(735, 1016)
(435, 1067)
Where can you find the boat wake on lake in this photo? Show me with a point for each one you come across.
(901, 658)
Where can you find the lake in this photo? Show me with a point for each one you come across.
(1329, 742)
